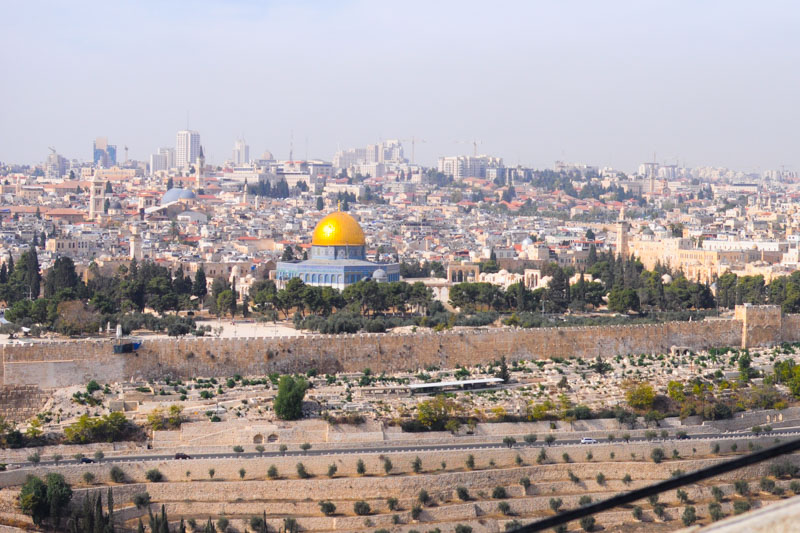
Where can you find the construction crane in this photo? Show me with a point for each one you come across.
(126, 154)
(51, 149)
(413, 140)
(474, 143)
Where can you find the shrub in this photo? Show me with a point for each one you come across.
(416, 465)
(783, 469)
(416, 511)
(88, 478)
(742, 487)
(141, 499)
(423, 497)
(461, 528)
(499, 493)
(657, 455)
(222, 524)
(525, 482)
(717, 494)
(573, 477)
(361, 468)
(794, 486)
(288, 403)
(658, 510)
(387, 465)
(154, 475)
(542, 457)
(589, 456)
(470, 462)
(327, 508)
(257, 523)
(305, 446)
(550, 439)
(518, 460)
(530, 438)
(565, 456)
(741, 506)
(587, 523)
(211, 473)
(504, 508)
(393, 504)
(117, 475)
(675, 454)
(35, 458)
(260, 449)
(302, 473)
(626, 437)
(627, 479)
(242, 472)
(689, 516)
(555, 504)
(637, 513)
(332, 469)
(682, 495)
(584, 500)
(650, 434)
(766, 484)
(238, 449)
(272, 472)
(601, 479)
(715, 448)
(462, 493)
(715, 511)
(734, 447)
(99, 455)
(509, 441)
(611, 437)
(361, 508)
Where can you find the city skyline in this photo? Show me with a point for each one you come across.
(686, 81)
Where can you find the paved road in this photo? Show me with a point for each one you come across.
(400, 449)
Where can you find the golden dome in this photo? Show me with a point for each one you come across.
(338, 229)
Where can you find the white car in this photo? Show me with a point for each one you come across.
(588, 440)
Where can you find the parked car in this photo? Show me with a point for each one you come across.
(180, 455)
(86, 460)
(588, 440)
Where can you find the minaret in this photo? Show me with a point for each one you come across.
(201, 163)
(622, 235)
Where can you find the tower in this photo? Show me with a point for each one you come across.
(97, 193)
(201, 163)
(622, 239)
(136, 247)
(187, 147)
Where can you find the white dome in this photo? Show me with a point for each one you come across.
(666, 279)
(379, 275)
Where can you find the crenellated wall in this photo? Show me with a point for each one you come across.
(58, 364)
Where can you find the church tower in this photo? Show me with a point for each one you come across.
(97, 193)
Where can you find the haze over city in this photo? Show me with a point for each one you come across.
(608, 83)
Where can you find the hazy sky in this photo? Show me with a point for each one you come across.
(600, 82)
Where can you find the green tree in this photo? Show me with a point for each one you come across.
(288, 402)
(225, 302)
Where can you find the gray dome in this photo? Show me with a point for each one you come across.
(527, 241)
(115, 205)
(175, 194)
(379, 275)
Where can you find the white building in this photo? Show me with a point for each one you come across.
(241, 153)
(464, 166)
(187, 148)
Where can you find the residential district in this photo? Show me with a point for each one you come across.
(133, 290)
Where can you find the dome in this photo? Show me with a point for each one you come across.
(379, 275)
(115, 205)
(666, 279)
(338, 229)
(175, 194)
(527, 241)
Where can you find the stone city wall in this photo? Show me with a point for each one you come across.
(59, 364)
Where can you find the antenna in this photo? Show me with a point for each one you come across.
(291, 146)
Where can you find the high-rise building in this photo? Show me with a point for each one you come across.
(187, 148)
(55, 166)
(104, 154)
(241, 153)
(163, 160)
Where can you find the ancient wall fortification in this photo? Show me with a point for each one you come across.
(60, 364)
